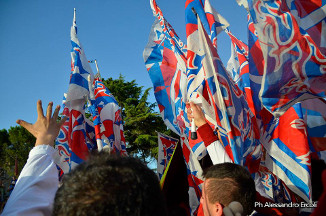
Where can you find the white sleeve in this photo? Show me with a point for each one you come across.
(217, 153)
(36, 186)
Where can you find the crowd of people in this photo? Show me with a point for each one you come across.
(107, 184)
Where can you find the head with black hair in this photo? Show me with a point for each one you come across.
(110, 185)
(225, 183)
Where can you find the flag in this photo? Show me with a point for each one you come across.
(107, 119)
(238, 68)
(274, 187)
(166, 146)
(314, 116)
(165, 60)
(231, 113)
(288, 154)
(212, 21)
(194, 175)
(295, 62)
(175, 185)
(76, 135)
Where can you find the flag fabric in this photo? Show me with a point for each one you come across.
(165, 60)
(78, 135)
(81, 71)
(230, 110)
(274, 187)
(288, 161)
(296, 119)
(212, 21)
(175, 186)
(238, 68)
(287, 46)
(107, 119)
(314, 117)
(194, 175)
(166, 146)
(73, 141)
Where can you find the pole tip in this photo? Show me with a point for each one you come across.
(193, 135)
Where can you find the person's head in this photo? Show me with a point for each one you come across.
(110, 185)
(225, 183)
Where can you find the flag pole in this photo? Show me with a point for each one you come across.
(98, 71)
(97, 75)
(193, 125)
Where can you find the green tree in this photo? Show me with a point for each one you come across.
(17, 146)
(140, 119)
(4, 142)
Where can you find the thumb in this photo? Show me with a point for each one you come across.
(26, 125)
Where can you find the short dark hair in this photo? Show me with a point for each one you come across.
(110, 185)
(230, 182)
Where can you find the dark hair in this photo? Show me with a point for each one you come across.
(110, 185)
(230, 182)
(317, 167)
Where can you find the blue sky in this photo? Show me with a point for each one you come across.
(35, 45)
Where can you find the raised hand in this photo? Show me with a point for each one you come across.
(194, 111)
(46, 128)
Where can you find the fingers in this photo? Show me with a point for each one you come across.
(49, 111)
(63, 121)
(56, 113)
(194, 107)
(39, 109)
(25, 125)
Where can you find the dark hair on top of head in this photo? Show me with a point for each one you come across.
(110, 185)
(230, 182)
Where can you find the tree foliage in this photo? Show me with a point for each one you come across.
(140, 119)
(15, 145)
(141, 122)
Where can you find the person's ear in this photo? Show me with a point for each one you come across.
(218, 209)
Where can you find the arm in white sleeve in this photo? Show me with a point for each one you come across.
(36, 186)
(215, 149)
(217, 153)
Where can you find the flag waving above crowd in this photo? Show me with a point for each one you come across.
(79, 135)
(254, 102)
(295, 60)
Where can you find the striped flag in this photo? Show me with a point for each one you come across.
(107, 119)
(227, 105)
(295, 61)
(166, 146)
(165, 60)
(76, 135)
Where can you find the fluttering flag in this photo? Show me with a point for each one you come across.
(107, 119)
(231, 114)
(212, 21)
(295, 60)
(174, 184)
(165, 59)
(166, 146)
(296, 120)
(288, 151)
(73, 142)
(78, 135)
(314, 116)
